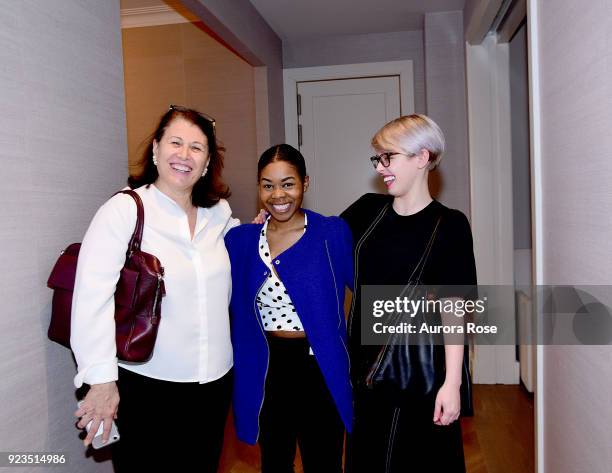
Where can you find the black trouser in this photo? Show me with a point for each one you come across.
(388, 438)
(298, 406)
(169, 425)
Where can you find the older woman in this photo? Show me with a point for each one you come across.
(186, 385)
(391, 232)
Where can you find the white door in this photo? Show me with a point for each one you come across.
(337, 119)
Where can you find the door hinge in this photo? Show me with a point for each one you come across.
(299, 135)
(299, 105)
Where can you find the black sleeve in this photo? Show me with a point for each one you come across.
(457, 264)
(351, 214)
(360, 214)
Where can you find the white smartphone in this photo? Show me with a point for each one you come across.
(97, 440)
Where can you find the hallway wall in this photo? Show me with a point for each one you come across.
(519, 116)
(447, 105)
(64, 152)
(182, 64)
(241, 26)
(576, 109)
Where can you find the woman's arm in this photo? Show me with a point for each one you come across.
(101, 258)
(448, 399)
(223, 211)
(341, 240)
(458, 274)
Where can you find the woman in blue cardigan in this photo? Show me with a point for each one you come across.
(291, 364)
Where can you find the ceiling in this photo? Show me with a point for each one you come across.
(296, 19)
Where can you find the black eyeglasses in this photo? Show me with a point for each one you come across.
(385, 158)
(208, 118)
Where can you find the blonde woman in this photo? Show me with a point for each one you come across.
(419, 432)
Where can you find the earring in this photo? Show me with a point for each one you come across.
(154, 159)
(205, 171)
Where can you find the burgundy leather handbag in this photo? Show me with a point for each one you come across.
(137, 296)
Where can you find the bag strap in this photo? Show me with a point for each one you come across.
(411, 284)
(136, 239)
(425, 257)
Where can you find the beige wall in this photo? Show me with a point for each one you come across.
(63, 154)
(241, 26)
(182, 64)
(576, 111)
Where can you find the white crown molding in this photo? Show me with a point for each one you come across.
(154, 16)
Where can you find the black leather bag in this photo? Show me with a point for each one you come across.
(415, 368)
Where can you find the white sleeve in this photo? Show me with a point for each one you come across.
(101, 259)
(231, 221)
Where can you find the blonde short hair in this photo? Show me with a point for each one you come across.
(409, 135)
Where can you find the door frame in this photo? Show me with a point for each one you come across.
(488, 82)
(536, 207)
(537, 212)
(292, 76)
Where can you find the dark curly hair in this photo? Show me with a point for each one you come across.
(209, 189)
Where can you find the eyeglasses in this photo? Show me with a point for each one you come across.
(385, 158)
(208, 118)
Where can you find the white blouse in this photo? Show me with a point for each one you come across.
(193, 339)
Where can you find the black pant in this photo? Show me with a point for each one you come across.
(298, 406)
(168, 425)
(388, 438)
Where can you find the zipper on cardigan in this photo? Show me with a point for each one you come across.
(263, 332)
(349, 324)
(391, 443)
(331, 267)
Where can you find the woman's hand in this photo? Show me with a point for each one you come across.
(448, 405)
(100, 405)
(261, 217)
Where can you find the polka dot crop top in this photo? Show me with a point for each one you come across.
(275, 307)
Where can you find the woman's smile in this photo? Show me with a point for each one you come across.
(281, 208)
(389, 179)
(182, 168)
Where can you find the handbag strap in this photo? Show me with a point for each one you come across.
(136, 239)
(410, 285)
(422, 262)
(425, 257)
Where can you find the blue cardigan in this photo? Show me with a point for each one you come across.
(315, 271)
